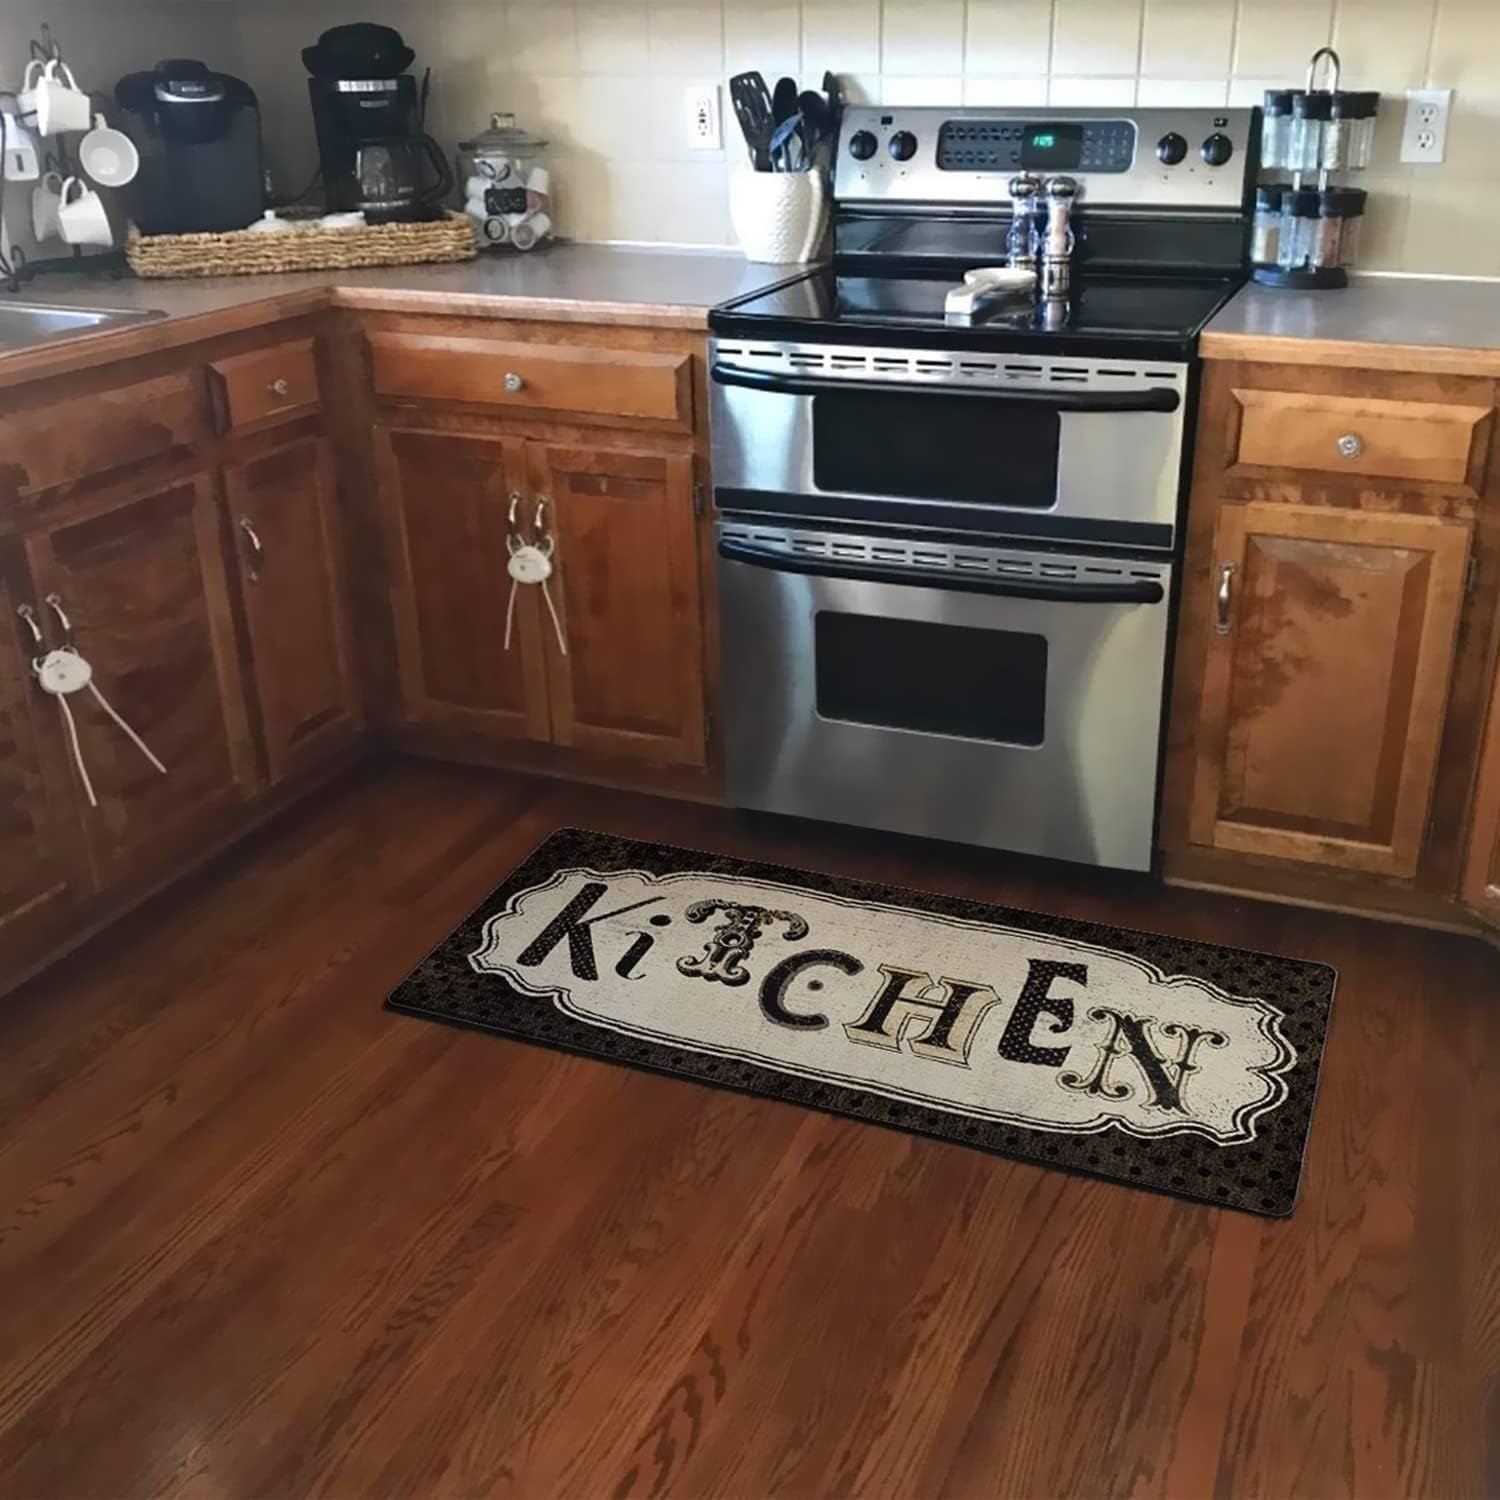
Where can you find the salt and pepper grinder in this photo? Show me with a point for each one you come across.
(1021, 238)
(1057, 242)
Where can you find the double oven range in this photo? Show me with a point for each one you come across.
(947, 548)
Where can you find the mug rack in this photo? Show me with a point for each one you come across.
(15, 267)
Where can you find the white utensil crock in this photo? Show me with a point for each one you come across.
(778, 216)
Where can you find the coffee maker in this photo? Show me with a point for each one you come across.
(198, 134)
(367, 111)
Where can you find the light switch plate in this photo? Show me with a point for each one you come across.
(705, 132)
(1424, 136)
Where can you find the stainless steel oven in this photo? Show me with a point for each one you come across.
(1053, 448)
(945, 584)
(989, 695)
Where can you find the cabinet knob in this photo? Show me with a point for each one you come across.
(279, 388)
(257, 551)
(513, 382)
(1351, 445)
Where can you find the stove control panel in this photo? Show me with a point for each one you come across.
(1191, 158)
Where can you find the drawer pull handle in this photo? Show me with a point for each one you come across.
(257, 552)
(1351, 445)
(280, 388)
(513, 382)
(1224, 598)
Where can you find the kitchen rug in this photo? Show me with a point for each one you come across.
(1154, 1061)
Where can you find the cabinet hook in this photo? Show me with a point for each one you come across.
(55, 601)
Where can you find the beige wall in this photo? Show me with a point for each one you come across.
(604, 78)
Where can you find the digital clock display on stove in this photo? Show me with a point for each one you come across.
(1052, 148)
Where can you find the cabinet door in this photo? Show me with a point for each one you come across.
(283, 510)
(1326, 683)
(631, 683)
(143, 585)
(40, 881)
(1481, 888)
(446, 501)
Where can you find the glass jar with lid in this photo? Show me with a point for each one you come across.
(507, 185)
(1275, 126)
(1353, 226)
(1305, 138)
(1363, 139)
(1299, 218)
(1265, 229)
(1324, 231)
(1337, 150)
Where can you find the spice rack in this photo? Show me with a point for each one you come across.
(1306, 237)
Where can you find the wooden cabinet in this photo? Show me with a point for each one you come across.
(1481, 886)
(631, 683)
(447, 501)
(1325, 683)
(283, 513)
(139, 585)
(40, 882)
(626, 679)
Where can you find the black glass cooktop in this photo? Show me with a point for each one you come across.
(1106, 315)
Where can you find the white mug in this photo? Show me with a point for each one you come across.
(60, 104)
(27, 97)
(22, 164)
(109, 156)
(46, 199)
(82, 220)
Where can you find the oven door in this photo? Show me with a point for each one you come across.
(1066, 451)
(1008, 699)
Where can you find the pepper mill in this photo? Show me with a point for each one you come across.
(1021, 238)
(1057, 243)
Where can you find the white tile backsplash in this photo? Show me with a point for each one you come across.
(605, 79)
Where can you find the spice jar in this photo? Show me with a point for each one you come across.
(1353, 226)
(1363, 140)
(1265, 230)
(1305, 138)
(1275, 127)
(1325, 230)
(507, 188)
(1299, 217)
(1337, 148)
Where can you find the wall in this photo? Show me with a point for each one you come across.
(604, 78)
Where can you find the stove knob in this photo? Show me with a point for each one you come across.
(1171, 149)
(1217, 149)
(862, 145)
(903, 145)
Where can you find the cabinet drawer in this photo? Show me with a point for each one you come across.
(265, 383)
(1435, 442)
(625, 383)
(81, 437)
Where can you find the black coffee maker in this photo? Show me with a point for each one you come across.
(368, 115)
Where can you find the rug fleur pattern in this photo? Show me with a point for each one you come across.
(1155, 1061)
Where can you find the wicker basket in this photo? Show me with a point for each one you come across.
(247, 252)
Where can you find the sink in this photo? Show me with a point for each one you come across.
(23, 324)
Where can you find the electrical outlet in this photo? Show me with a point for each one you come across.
(704, 131)
(1424, 136)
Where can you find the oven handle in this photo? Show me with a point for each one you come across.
(1157, 398)
(1128, 591)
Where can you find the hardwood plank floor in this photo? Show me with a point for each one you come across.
(258, 1237)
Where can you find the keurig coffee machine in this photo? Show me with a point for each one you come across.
(366, 109)
(198, 133)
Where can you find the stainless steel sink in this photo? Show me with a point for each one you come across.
(23, 324)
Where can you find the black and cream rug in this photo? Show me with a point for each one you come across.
(1154, 1061)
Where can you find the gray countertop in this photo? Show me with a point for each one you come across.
(1412, 313)
(665, 288)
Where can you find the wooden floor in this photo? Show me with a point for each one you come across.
(260, 1238)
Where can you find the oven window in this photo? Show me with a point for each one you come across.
(935, 679)
(956, 448)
